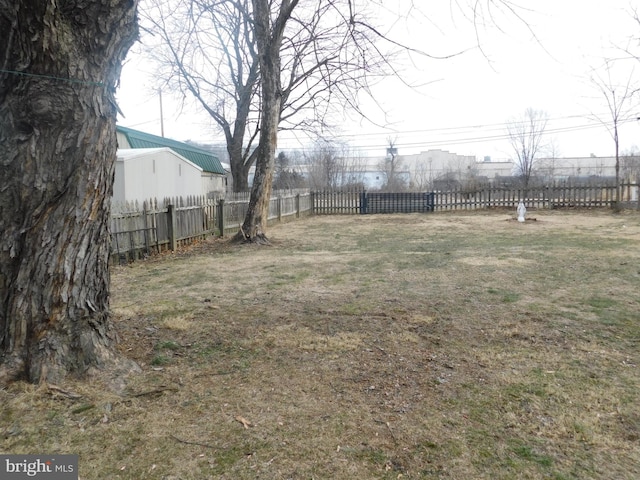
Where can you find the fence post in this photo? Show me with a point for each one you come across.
(145, 213)
(297, 205)
(279, 205)
(172, 227)
(220, 213)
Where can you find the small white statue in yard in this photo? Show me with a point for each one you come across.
(522, 210)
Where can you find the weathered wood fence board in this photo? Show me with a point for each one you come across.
(554, 196)
(138, 231)
(332, 202)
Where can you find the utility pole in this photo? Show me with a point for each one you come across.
(161, 114)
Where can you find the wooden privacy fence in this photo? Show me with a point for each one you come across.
(402, 202)
(137, 231)
(336, 202)
(153, 227)
(558, 195)
(554, 196)
(231, 213)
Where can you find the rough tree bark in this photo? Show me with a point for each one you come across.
(60, 63)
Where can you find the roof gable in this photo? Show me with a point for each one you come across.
(205, 160)
(126, 154)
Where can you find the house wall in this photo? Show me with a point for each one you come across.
(122, 140)
(119, 195)
(142, 174)
(213, 184)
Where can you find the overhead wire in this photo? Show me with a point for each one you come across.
(464, 135)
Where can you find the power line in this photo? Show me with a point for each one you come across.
(465, 139)
(51, 77)
(449, 136)
(486, 127)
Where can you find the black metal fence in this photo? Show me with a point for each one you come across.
(401, 202)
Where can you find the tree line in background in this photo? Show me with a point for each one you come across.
(330, 166)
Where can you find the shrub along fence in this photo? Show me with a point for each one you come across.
(137, 231)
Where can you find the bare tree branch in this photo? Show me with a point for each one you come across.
(619, 109)
(526, 138)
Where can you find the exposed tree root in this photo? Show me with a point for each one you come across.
(12, 369)
(256, 239)
(111, 368)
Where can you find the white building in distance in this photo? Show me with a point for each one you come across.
(575, 167)
(154, 173)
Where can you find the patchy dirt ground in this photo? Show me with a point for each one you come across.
(401, 346)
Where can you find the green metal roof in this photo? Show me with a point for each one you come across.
(205, 160)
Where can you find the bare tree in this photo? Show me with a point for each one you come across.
(471, 179)
(324, 167)
(314, 57)
(546, 167)
(206, 49)
(60, 65)
(287, 175)
(630, 164)
(390, 167)
(526, 136)
(269, 34)
(325, 49)
(332, 165)
(353, 166)
(422, 176)
(619, 108)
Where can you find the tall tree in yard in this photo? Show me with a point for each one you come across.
(316, 57)
(257, 66)
(205, 49)
(620, 109)
(269, 33)
(59, 66)
(526, 135)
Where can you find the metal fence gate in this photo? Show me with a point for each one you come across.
(401, 202)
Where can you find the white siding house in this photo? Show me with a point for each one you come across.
(145, 173)
(214, 177)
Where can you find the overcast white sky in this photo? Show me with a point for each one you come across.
(465, 101)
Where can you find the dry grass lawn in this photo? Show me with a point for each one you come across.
(460, 346)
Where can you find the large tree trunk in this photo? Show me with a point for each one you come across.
(269, 37)
(61, 62)
(268, 42)
(616, 139)
(240, 165)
